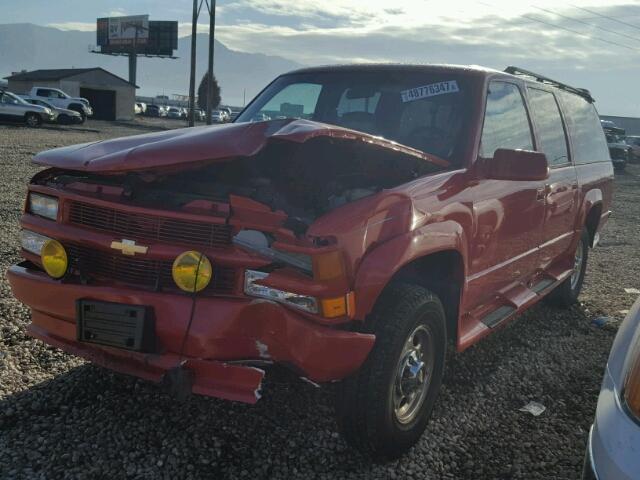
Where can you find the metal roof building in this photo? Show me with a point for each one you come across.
(111, 96)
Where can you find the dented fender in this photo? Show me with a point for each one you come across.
(374, 274)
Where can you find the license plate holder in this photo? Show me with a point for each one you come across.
(131, 327)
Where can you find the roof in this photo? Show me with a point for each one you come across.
(59, 74)
(407, 67)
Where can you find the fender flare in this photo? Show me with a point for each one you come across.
(592, 198)
(381, 264)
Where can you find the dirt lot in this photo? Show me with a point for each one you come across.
(63, 418)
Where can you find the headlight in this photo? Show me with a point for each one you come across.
(32, 241)
(43, 205)
(191, 271)
(54, 258)
(632, 385)
(303, 302)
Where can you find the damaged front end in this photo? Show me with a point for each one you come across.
(265, 204)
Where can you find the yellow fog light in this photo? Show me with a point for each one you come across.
(191, 271)
(54, 258)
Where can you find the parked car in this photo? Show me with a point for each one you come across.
(218, 116)
(618, 148)
(174, 112)
(154, 111)
(15, 109)
(60, 99)
(62, 116)
(634, 144)
(140, 108)
(409, 207)
(612, 449)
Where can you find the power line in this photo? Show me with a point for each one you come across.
(587, 24)
(580, 33)
(566, 29)
(613, 19)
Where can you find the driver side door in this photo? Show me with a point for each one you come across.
(508, 214)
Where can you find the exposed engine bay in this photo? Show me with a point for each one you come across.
(304, 180)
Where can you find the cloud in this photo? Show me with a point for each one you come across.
(116, 12)
(82, 26)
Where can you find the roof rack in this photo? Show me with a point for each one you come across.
(583, 92)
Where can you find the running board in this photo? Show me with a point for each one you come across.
(542, 285)
(496, 317)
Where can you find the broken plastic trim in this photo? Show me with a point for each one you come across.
(299, 261)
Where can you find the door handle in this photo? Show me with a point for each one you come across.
(542, 192)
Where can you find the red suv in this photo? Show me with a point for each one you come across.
(378, 214)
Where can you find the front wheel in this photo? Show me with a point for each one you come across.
(566, 294)
(32, 120)
(384, 408)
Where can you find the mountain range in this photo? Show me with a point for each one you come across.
(25, 46)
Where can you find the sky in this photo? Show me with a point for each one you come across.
(588, 43)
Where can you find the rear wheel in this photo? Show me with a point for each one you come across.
(566, 294)
(32, 120)
(384, 409)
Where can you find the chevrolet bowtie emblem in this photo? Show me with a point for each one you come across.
(129, 247)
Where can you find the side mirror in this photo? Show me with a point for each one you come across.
(516, 165)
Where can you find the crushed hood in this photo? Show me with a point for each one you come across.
(192, 147)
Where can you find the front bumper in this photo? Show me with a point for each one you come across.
(614, 439)
(224, 333)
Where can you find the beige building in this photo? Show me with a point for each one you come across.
(111, 97)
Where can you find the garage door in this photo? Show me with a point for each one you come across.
(103, 103)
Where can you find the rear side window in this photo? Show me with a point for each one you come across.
(551, 137)
(506, 124)
(41, 92)
(587, 137)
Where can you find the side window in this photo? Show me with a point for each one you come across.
(587, 137)
(506, 124)
(57, 94)
(546, 115)
(297, 100)
(42, 92)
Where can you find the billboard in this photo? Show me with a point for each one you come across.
(117, 35)
(133, 30)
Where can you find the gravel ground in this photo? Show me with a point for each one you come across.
(61, 417)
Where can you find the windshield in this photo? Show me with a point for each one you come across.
(11, 98)
(424, 110)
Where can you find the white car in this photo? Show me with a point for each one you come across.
(614, 439)
(60, 99)
(15, 109)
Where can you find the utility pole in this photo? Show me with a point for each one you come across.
(133, 58)
(192, 78)
(212, 29)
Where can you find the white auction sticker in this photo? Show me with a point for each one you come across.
(450, 86)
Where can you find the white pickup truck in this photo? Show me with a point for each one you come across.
(60, 99)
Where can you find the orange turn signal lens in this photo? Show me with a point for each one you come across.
(339, 306)
(334, 307)
(328, 266)
(632, 386)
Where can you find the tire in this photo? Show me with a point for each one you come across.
(32, 120)
(378, 414)
(77, 108)
(566, 294)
